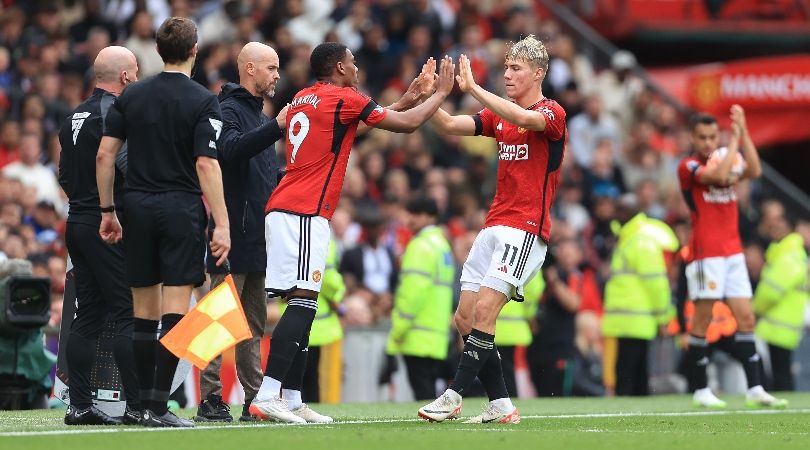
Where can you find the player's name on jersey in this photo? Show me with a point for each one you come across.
(310, 99)
(717, 194)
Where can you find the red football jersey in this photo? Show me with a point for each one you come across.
(528, 168)
(321, 125)
(714, 212)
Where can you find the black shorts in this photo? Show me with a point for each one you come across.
(164, 238)
(99, 273)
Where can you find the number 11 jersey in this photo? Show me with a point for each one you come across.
(321, 125)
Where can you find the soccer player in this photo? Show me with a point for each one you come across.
(171, 125)
(99, 270)
(717, 270)
(249, 172)
(530, 131)
(321, 125)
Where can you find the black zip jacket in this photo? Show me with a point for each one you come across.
(249, 175)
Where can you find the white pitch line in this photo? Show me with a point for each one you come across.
(365, 422)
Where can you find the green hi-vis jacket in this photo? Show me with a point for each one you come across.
(326, 327)
(512, 327)
(782, 293)
(637, 295)
(423, 305)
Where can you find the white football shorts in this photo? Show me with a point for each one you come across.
(296, 251)
(718, 278)
(504, 259)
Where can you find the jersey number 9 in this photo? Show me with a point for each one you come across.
(296, 138)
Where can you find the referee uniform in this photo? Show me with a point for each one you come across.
(99, 270)
(168, 122)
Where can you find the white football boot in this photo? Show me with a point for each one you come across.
(446, 407)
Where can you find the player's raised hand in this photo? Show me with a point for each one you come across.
(736, 130)
(738, 116)
(423, 85)
(465, 79)
(110, 229)
(427, 78)
(446, 82)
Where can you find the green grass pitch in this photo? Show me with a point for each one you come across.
(660, 423)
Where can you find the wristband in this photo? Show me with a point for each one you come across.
(108, 209)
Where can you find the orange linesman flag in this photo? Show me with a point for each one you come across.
(214, 325)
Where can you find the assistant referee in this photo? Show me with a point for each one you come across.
(171, 125)
(99, 270)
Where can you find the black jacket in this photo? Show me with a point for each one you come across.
(249, 174)
(79, 138)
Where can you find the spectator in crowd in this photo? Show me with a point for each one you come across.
(370, 266)
(31, 172)
(9, 142)
(619, 87)
(142, 43)
(591, 128)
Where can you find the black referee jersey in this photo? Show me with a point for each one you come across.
(79, 138)
(168, 120)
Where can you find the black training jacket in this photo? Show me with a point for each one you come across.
(249, 174)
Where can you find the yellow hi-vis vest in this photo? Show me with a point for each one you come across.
(423, 303)
(512, 327)
(637, 295)
(781, 294)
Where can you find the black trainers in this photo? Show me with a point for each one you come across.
(213, 409)
(131, 417)
(246, 415)
(89, 416)
(167, 420)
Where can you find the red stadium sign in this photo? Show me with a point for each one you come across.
(775, 93)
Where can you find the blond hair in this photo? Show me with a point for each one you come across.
(529, 49)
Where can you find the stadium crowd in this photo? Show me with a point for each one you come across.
(624, 142)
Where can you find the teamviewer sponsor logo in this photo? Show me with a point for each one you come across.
(513, 152)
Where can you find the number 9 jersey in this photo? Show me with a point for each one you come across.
(321, 125)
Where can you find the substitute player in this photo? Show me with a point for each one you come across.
(321, 124)
(530, 131)
(717, 269)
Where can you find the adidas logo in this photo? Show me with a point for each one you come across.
(472, 353)
(503, 268)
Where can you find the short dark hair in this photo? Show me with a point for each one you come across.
(701, 118)
(325, 57)
(422, 205)
(175, 39)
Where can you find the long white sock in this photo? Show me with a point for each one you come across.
(270, 388)
(504, 404)
(293, 398)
